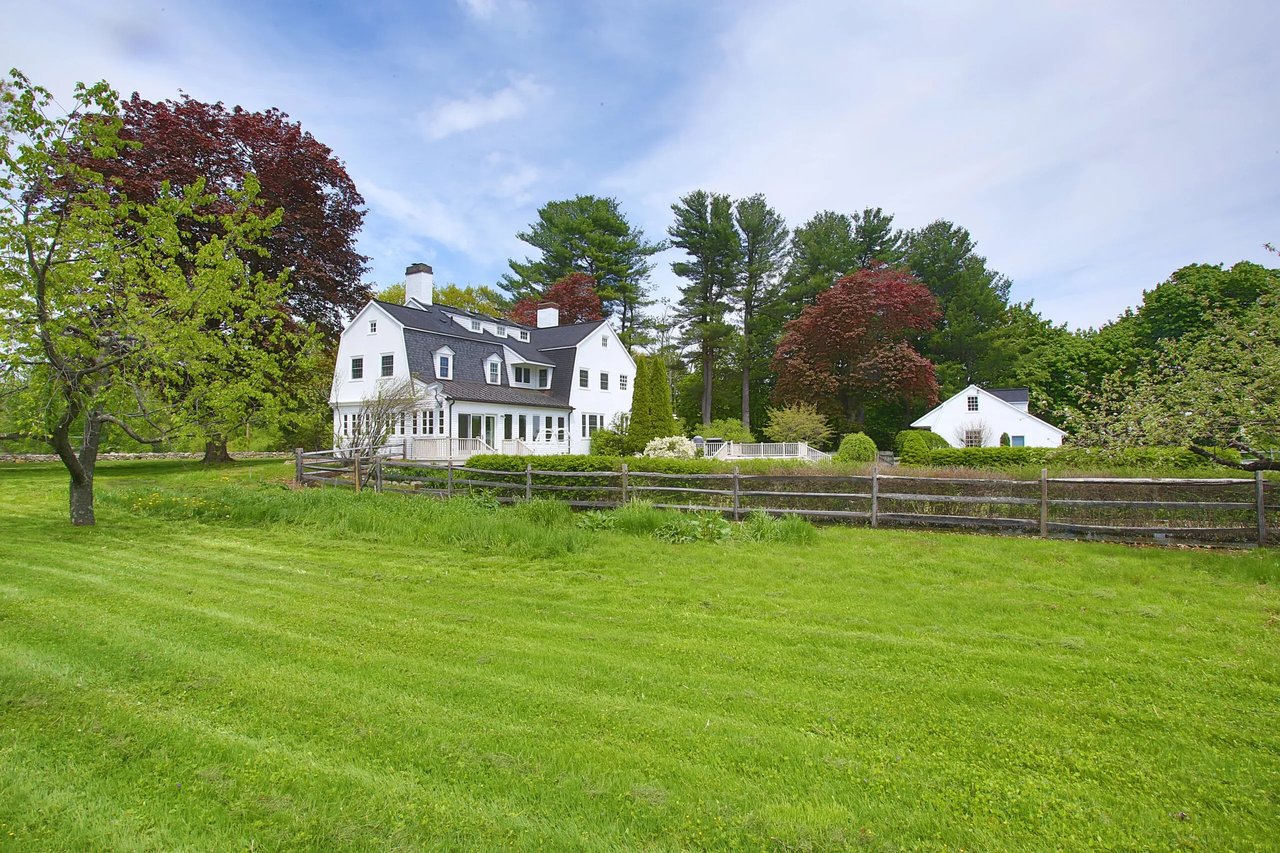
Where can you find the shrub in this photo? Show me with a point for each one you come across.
(912, 446)
(671, 447)
(1004, 439)
(798, 422)
(729, 429)
(856, 447)
(608, 442)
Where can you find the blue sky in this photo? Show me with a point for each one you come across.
(1090, 147)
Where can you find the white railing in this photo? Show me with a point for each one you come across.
(442, 448)
(770, 450)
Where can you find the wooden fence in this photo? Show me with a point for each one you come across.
(1226, 511)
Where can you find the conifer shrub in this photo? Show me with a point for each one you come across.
(856, 447)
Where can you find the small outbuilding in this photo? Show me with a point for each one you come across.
(977, 417)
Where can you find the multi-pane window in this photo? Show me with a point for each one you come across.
(524, 336)
(524, 375)
(604, 340)
(543, 376)
(622, 381)
(973, 438)
(502, 331)
(357, 368)
(584, 378)
(973, 403)
(604, 381)
(373, 327)
(495, 373)
(591, 423)
(444, 367)
(560, 429)
(346, 430)
(475, 325)
(388, 365)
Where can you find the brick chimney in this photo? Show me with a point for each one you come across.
(419, 284)
(548, 314)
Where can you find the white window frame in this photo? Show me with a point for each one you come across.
(501, 332)
(493, 370)
(622, 381)
(373, 327)
(973, 438)
(604, 380)
(443, 352)
(357, 363)
(382, 365)
(971, 402)
(476, 326)
(544, 377)
(524, 335)
(523, 375)
(584, 378)
(604, 340)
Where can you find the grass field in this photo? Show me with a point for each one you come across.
(224, 663)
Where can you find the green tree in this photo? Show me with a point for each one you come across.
(973, 299)
(822, 250)
(798, 422)
(589, 235)
(109, 317)
(705, 229)
(875, 241)
(763, 235)
(651, 415)
(1219, 389)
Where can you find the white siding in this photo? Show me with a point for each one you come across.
(994, 416)
(612, 359)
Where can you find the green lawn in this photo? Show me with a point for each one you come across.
(227, 664)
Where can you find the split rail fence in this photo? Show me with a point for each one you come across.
(1226, 511)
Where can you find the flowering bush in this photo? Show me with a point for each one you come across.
(671, 447)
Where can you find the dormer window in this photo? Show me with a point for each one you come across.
(502, 331)
(475, 325)
(524, 336)
(544, 377)
(373, 327)
(973, 404)
(524, 376)
(493, 371)
(443, 358)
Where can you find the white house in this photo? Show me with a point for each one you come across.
(977, 417)
(479, 384)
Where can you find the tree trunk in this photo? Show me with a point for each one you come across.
(707, 379)
(215, 450)
(82, 502)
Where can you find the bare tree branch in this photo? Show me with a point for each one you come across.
(128, 430)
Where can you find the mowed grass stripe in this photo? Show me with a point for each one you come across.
(863, 691)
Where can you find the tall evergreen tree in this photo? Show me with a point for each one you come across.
(822, 250)
(704, 228)
(590, 235)
(875, 241)
(763, 234)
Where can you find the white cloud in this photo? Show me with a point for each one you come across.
(463, 114)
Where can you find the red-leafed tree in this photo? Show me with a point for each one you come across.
(576, 296)
(185, 140)
(854, 345)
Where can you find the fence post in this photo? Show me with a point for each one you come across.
(404, 447)
(355, 470)
(875, 495)
(297, 466)
(448, 491)
(737, 500)
(1260, 498)
(528, 481)
(1044, 503)
(623, 500)
(377, 474)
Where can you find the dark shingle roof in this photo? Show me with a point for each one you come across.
(428, 329)
(483, 392)
(1011, 395)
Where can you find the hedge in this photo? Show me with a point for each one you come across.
(912, 446)
(1167, 459)
(856, 447)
